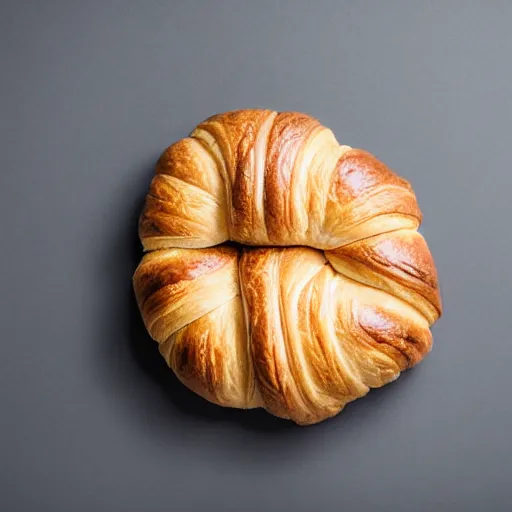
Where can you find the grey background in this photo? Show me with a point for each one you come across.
(91, 93)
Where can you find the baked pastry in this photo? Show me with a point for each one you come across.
(282, 269)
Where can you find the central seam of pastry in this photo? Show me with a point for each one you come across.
(282, 269)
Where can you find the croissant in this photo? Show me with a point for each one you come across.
(283, 270)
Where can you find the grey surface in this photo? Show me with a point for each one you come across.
(91, 93)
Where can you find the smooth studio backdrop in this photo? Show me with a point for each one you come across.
(91, 93)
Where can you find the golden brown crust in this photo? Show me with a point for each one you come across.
(399, 262)
(174, 287)
(166, 268)
(186, 154)
(184, 208)
(356, 179)
(287, 137)
(404, 341)
(210, 356)
(293, 329)
(233, 131)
